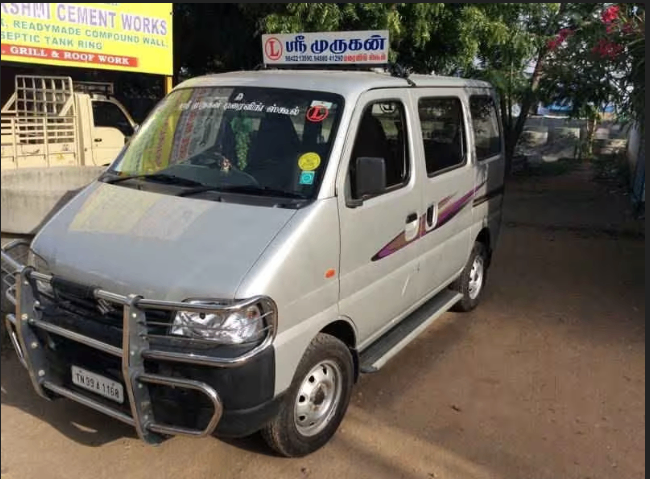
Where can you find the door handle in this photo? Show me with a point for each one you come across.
(98, 140)
(412, 228)
(432, 215)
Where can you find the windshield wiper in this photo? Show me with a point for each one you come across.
(157, 177)
(253, 189)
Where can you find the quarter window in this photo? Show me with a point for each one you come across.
(486, 127)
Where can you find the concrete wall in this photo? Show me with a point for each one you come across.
(30, 196)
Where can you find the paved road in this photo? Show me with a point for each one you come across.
(546, 380)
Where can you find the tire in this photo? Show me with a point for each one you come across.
(328, 365)
(466, 284)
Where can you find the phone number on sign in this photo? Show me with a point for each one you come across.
(314, 58)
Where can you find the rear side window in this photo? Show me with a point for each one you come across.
(486, 127)
(382, 133)
(441, 120)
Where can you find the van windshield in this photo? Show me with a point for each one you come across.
(256, 140)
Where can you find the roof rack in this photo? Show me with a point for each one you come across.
(394, 69)
(102, 88)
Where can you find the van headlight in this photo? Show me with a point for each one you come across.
(226, 327)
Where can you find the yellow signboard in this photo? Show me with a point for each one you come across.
(133, 37)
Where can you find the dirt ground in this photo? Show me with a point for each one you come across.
(545, 380)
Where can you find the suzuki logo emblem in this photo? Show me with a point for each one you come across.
(104, 306)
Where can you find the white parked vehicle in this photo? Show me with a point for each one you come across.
(265, 238)
(52, 121)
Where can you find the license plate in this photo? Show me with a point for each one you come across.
(98, 384)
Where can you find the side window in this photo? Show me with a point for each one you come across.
(441, 120)
(486, 127)
(382, 134)
(109, 114)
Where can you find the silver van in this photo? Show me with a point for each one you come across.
(262, 240)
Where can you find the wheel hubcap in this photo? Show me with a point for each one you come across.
(318, 398)
(476, 277)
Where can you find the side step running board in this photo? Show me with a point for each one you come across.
(397, 338)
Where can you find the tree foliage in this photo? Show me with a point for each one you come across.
(422, 34)
(529, 51)
(609, 52)
(599, 62)
(494, 41)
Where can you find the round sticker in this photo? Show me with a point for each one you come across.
(309, 161)
(317, 113)
(273, 49)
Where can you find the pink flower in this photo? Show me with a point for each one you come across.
(553, 43)
(562, 35)
(610, 13)
(607, 49)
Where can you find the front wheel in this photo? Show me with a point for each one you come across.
(471, 281)
(316, 401)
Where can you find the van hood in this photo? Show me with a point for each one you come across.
(158, 246)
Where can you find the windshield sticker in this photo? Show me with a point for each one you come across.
(309, 161)
(191, 127)
(307, 177)
(317, 113)
(326, 104)
(220, 104)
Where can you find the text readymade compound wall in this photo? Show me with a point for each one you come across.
(114, 36)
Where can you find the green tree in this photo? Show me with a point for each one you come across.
(608, 49)
(529, 51)
(497, 42)
(213, 38)
(424, 36)
(516, 43)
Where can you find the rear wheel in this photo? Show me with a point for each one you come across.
(316, 401)
(472, 280)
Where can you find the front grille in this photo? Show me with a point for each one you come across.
(73, 306)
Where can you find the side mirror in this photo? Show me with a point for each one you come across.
(136, 127)
(370, 179)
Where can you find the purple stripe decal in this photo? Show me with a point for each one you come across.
(444, 216)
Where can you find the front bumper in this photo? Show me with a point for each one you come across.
(29, 330)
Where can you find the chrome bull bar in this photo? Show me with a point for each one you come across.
(135, 349)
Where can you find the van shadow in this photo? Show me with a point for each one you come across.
(79, 423)
(379, 391)
(91, 428)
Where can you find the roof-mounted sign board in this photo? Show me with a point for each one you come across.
(332, 48)
(133, 37)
